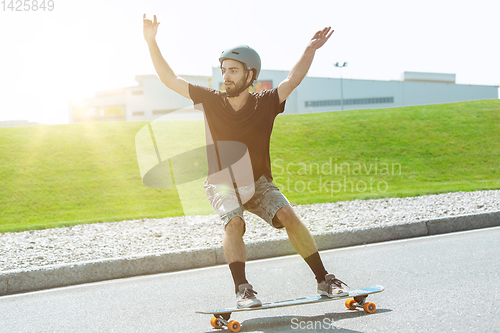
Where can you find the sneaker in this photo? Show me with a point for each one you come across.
(245, 298)
(332, 287)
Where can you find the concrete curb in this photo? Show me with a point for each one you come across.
(20, 281)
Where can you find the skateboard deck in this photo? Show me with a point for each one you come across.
(355, 299)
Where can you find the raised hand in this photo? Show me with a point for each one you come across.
(320, 38)
(150, 28)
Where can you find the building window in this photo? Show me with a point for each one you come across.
(167, 111)
(350, 101)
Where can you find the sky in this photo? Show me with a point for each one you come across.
(49, 58)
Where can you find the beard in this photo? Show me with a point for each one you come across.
(236, 86)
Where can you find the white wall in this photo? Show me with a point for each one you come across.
(153, 98)
(403, 93)
(147, 101)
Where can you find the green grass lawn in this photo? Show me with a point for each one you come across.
(394, 152)
(82, 173)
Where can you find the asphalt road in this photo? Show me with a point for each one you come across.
(445, 283)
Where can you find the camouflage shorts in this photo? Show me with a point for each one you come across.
(267, 199)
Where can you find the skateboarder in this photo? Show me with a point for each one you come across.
(238, 115)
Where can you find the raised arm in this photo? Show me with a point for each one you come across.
(300, 69)
(165, 73)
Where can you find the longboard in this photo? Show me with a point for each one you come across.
(355, 299)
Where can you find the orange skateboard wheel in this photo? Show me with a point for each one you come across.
(214, 322)
(369, 307)
(349, 303)
(234, 326)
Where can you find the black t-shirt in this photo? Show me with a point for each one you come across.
(251, 126)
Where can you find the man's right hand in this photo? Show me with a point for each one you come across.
(165, 73)
(150, 28)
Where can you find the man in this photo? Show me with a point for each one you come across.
(237, 115)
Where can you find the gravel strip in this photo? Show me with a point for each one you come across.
(30, 249)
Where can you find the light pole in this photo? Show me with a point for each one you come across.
(341, 87)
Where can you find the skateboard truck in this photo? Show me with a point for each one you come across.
(221, 320)
(359, 302)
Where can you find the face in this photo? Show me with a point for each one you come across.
(234, 75)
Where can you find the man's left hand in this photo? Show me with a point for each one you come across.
(320, 38)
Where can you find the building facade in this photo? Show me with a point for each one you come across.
(147, 101)
(151, 99)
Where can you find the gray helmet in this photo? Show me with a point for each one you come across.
(244, 54)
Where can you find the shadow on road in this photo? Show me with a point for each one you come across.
(318, 324)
